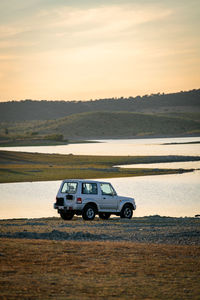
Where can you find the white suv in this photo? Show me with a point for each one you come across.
(88, 198)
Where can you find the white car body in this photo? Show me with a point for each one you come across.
(75, 196)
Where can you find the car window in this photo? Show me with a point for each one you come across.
(69, 187)
(89, 188)
(106, 189)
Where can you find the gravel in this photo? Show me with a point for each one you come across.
(152, 229)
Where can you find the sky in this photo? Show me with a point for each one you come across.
(82, 50)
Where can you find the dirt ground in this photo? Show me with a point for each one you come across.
(38, 269)
(81, 262)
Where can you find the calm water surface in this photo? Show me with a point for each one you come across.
(122, 147)
(173, 165)
(166, 195)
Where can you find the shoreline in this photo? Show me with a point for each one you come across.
(54, 218)
(28, 167)
(41, 143)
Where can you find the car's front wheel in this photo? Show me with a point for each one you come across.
(126, 212)
(67, 215)
(89, 212)
(104, 216)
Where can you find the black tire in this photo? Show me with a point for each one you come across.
(104, 215)
(67, 215)
(126, 212)
(89, 212)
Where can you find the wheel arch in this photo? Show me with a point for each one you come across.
(93, 204)
(127, 204)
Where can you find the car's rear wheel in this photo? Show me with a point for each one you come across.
(126, 212)
(89, 212)
(104, 215)
(67, 215)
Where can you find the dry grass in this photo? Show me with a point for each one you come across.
(38, 269)
(23, 167)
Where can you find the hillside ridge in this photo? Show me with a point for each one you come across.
(27, 110)
(105, 124)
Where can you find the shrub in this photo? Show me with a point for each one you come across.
(54, 137)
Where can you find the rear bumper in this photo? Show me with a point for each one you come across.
(56, 206)
(62, 208)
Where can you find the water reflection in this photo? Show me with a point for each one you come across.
(173, 165)
(169, 195)
(166, 195)
(122, 147)
(28, 200)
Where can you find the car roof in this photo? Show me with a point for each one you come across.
(84, 180)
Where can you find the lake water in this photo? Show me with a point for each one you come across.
(172, 165)
(167, 195)
(122, 147)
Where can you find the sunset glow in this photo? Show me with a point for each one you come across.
(80, 50)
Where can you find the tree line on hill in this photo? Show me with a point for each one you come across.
(26, 110)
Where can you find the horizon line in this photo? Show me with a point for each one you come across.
(98, 99)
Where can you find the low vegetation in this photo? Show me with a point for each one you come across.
(38, 269)
(93, 125)
(22, 167)
(31, 139)
(182, 102)
(144, 258)
(149, 115)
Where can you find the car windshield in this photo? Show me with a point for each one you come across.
(69, 187)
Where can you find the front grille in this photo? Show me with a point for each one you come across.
(60, 201)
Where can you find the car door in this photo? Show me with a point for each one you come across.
(89, 190)
(109, 200)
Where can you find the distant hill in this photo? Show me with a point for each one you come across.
(95, 125)
(27, 110)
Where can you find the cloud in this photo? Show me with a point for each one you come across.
(68, 26)
(11, 30)
(8, 57)
(103, 18)
(65, 47)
